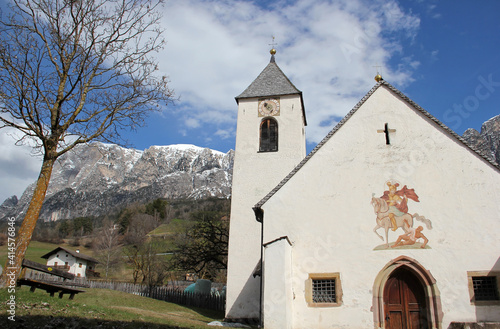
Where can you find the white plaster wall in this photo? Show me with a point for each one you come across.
(61, 258)
(254, 175)
(278, 294)
(326, 213)
(80, 271)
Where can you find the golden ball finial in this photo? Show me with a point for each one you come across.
(273, 51)
(378, 77)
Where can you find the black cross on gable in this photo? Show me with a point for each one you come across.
(386, 130)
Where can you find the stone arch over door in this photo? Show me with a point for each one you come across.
(432, 295)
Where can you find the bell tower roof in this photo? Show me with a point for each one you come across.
(270, 82)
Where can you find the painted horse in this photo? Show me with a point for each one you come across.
(381, 209)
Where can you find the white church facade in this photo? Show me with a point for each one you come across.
(392, 221)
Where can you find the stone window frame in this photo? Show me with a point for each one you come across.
(322, 276)
(473, 301)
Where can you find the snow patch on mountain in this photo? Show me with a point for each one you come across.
(95, 179)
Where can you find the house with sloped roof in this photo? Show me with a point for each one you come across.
(72, 261)
(392, 220)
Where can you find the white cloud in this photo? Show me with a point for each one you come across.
(431, 11)
(396, 20)
(434, 55)
(18, 166)
(224, 134)
(327, 48)
(192, 123)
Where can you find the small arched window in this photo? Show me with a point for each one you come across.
(268, 135)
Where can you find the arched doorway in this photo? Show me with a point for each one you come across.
(405, 286)
(405, 305)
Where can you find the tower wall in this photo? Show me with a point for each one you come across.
(254, 175)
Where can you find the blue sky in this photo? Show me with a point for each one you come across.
(436, 52)
(445, 55)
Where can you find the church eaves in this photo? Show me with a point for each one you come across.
(270, 82)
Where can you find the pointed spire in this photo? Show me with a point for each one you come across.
(270, 82)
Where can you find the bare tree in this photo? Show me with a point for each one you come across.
(147, 262)
(140, 225)
(73, 71)
(203, 248)
(106, 246)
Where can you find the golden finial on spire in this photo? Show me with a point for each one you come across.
(378, 77)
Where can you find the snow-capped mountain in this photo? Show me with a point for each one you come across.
(95, 179)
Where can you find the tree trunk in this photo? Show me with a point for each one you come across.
(107, 263)
(28, 225)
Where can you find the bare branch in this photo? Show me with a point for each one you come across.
(78, 68)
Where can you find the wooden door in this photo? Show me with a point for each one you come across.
(404, 302)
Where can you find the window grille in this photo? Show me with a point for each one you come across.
(485, 287)
(323, 291)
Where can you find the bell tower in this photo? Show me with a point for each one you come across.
(270, 142)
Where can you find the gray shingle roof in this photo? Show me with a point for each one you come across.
(71, 252)
(270, 82)
(354, 109)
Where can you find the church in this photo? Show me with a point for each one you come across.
(392, 221)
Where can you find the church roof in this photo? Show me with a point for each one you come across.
(270, 82)
(354, 109)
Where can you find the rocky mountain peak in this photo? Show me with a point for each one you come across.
(95, 179)
(488, 140)
(9, 205)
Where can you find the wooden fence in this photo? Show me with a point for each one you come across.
(173, 293)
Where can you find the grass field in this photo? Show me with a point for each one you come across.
(99, 308)
(37, 249)
(175, 226)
